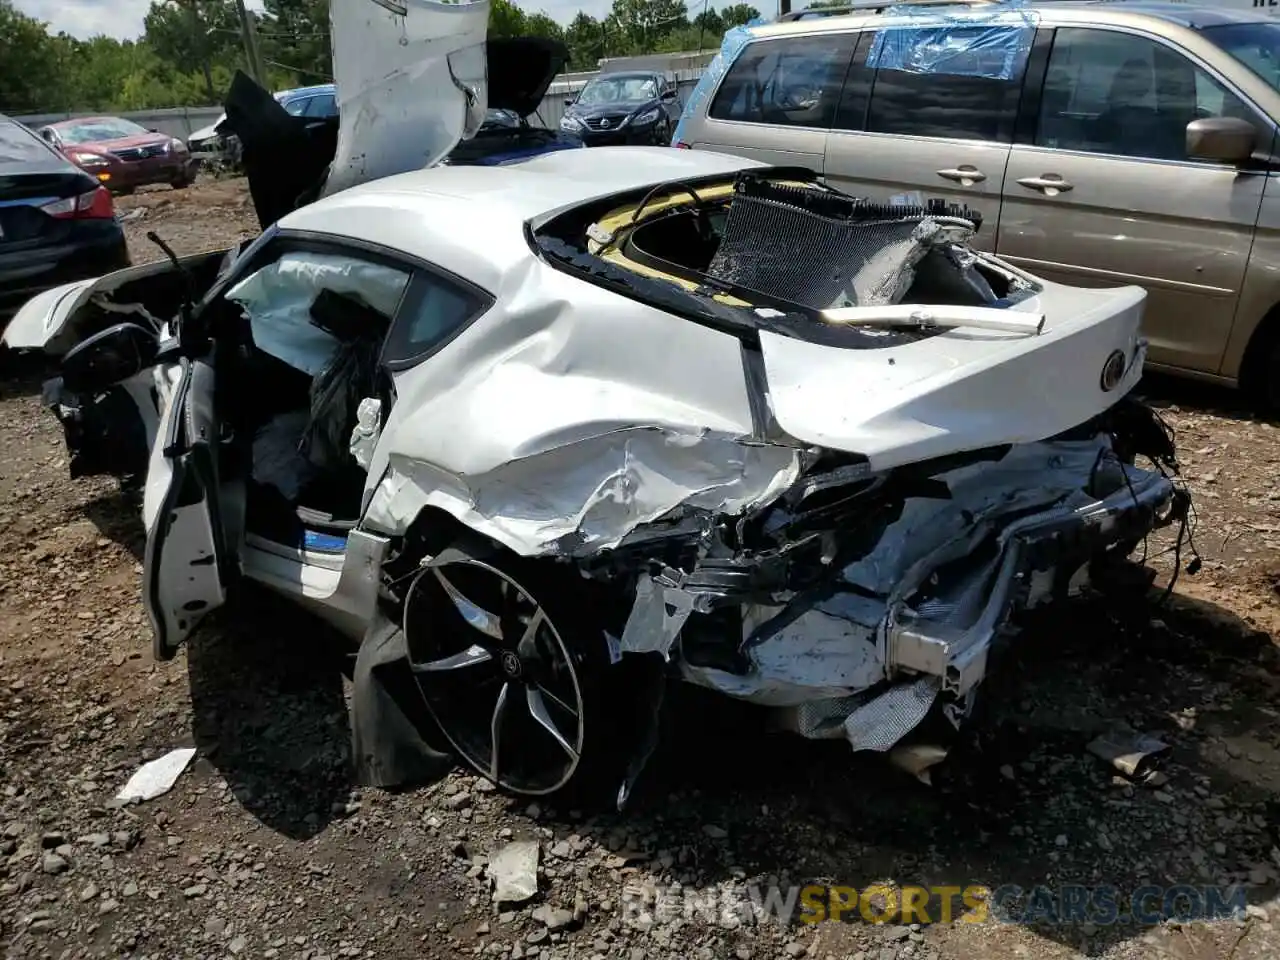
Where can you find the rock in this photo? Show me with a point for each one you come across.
(714, 832)
(1060, 840)
(89, 893)
(537, 936)
(130, 889)
(96, 839)
(215, 926)
(561, 850)
(458, 801)
(1006, 771)
(195, 890)
(898, 932)
(1257, 912)
(580, 907)
(514, 872)
(52, 839)
(795, 949)
(553, 918)
(238, 945)
(108, 906)
(52, 863)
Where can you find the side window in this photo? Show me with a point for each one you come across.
(937, 104)
(1125, 95)
(325, 105)
(435, 309)
(856, 95)
(297, 108)
(291, 307)
(793, 81)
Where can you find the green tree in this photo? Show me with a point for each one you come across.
(198, 33)
(541, 25)
(506, 19)
(294, 39)
(30, 64)
(644, 24)
(739, 14)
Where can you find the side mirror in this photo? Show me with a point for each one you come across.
(108, 358)
(669, 96)
(1225, 139)
(570, 101)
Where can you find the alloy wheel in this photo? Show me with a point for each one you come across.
(495, 672)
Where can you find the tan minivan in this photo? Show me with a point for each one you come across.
(1125, 142)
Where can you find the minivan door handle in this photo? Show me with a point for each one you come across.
(1050, 184)
(964, 175)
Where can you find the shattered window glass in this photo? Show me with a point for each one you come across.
(793, 81)
(1125, 95)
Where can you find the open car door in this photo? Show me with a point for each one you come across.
(193, 516)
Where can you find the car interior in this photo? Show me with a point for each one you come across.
(725, 238)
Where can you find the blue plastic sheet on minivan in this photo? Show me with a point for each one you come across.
(730, 47)
(992, 41)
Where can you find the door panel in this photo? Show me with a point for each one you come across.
(190, 559)
(1261, 290)
(1107, 197)
(924, 135)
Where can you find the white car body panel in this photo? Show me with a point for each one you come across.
(410, 85)
(955, 391)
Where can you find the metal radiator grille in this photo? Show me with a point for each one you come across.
(821, 249)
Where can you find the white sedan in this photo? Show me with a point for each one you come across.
(539, 437)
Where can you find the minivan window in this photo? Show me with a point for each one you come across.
(937, 105)
(1125, 95)
(1256, 45)
(792, 81)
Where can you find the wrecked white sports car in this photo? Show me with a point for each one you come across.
(541, 436)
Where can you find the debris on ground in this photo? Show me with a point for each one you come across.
(1129, 751)
(156, 777)
(513, 870)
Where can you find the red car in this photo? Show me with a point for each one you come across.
(122, 155)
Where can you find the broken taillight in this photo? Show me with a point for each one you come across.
(94, 205)
(681, 145)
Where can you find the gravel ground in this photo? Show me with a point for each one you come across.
(265, 849)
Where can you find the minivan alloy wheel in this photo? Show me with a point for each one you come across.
(494, 670)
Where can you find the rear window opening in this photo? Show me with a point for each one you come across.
(778, 249)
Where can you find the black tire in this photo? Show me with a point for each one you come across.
(184, 183)
(1260, 378)
(561, 710)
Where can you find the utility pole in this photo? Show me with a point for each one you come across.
(249, 31)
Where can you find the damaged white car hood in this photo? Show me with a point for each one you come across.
(412, 82)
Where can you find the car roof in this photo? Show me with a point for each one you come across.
(616, 74)
(1193, 15)
(75, 120)
(320, 88)
(471, 219)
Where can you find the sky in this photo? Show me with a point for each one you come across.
(123, 18)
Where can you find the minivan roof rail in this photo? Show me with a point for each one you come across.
(874, 6)
(880, 6)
